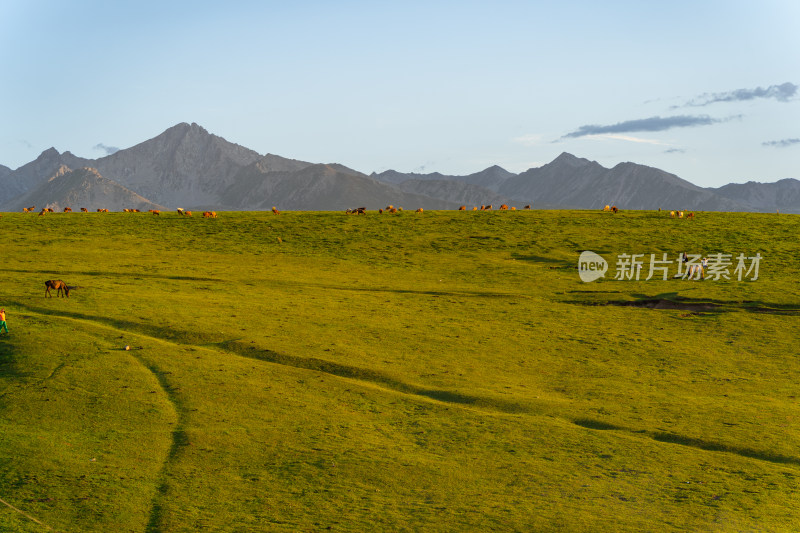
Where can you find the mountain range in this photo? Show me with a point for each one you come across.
(188, 167)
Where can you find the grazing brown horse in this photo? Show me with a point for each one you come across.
(56, 284)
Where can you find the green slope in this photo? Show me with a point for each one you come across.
(442, 371)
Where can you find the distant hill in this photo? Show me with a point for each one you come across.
(319, 187)
(83, 187)
(490, 178)
(452, 190)
(577, 182)
(38, 171)
(473, 190)
(188, 167)
(783, 195)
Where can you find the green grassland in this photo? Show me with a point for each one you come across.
(445, 371)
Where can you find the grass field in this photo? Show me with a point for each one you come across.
(444, 371)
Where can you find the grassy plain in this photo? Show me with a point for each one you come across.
(444, 371)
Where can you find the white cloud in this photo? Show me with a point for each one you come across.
(627, 138)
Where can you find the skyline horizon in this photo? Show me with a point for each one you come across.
(696, 90)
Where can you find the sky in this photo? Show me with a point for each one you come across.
(706, 90)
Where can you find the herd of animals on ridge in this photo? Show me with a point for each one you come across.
(62, 287)
(354, 211)
(206, 214)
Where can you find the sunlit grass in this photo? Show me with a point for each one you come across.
(439, 371)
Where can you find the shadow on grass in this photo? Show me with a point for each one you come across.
(149, 330)
(50, 274)
(540, 259)
(671, 300)
(711, 446)
(557, 264)
(595, 424)
(308, 363)
(692, 442)
(237, 347)
(476, 294)
(372, 376)
(8, 368)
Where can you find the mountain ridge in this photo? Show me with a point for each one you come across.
(187, 166)
(81, 188)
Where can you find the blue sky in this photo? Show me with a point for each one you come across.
(707, 90)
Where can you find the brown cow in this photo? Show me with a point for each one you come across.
(55, 284)
(614, 209)
(462, 208)
(504, 207)
(419, 210)
(527, 207)
(275, 210)
(68, 210)
(155, 211)
(84, 210)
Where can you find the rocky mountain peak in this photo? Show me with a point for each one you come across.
(60, 171)
(50, 153)
(92, 171)
(567, 159)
